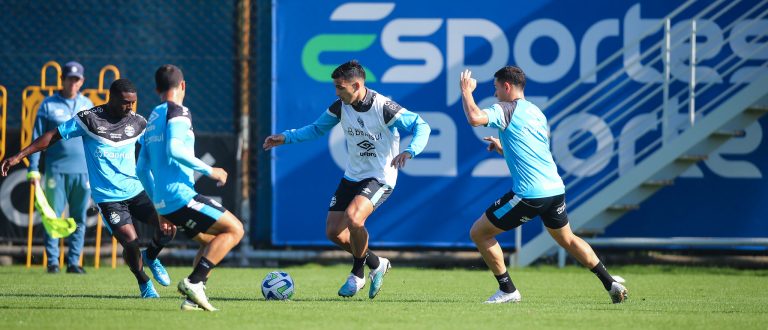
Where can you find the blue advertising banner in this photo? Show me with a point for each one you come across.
(413, 52)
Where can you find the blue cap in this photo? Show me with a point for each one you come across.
(73, 69)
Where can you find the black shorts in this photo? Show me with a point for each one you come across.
(118, 214)
(371, 188)
(510, 211)
(197, 216)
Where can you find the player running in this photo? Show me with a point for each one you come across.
(110, 132)
(371, 122)
(166, 167)
(537, 189)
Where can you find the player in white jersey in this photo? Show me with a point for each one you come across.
(370, 122)
(537, 189)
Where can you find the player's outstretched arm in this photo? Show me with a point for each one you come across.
(411, 122)
(475, 116)
(273, 141)
(39, 144)
(494, 145)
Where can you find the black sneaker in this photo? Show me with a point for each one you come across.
(53, 269)
(75, 269)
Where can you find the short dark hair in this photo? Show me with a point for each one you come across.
(122, 86)
(168, 76)
(349, 71)
(512, 75)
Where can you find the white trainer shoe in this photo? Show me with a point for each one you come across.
(351, 286)
(501, 297)
(189, 305)
(196, 293)
(618, 293)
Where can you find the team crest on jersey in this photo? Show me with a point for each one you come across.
(361, 122)
(114, 218)
(129, 130)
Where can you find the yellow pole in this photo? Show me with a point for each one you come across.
(31, 224)
(97, 254)
(114, 253)
(61, 252)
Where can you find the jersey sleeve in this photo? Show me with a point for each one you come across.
(320, 127)
(144, 171)
(72, 128)
(500, 114)
(176, 131)
(37, 131)
(413, 123)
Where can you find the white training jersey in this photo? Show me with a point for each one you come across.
(372, 140)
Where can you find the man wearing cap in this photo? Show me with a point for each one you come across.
(66, 174)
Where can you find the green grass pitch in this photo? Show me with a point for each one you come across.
(412, 298)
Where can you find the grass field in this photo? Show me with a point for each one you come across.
(412, 298)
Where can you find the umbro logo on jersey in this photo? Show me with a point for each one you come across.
(367, 145)
(367, 191)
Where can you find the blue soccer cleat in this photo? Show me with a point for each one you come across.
(148, 290)
(158, 271)
(377, 277)
(351, 286)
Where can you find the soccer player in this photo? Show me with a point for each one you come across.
(166, 167)
(537, 189)
(371, 122)
(110, 132)
(66, 175)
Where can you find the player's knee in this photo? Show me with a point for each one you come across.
(354, 219)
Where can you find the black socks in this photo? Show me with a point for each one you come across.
(603, 275)
(505, 283)
(369, 259)
(200, 274)
(132, 256)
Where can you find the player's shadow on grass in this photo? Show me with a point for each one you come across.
(91, 296)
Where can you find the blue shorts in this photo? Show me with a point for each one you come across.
(197, 216)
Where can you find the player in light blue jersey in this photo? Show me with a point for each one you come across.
(166, 168)
(109, 135)
(537, 189)
(66, 175)
(372, 124)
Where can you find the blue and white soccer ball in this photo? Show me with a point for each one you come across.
(277, 285)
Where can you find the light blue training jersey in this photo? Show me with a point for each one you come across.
(65, 156)
(167, 161)
(524, 135)
(110, 151)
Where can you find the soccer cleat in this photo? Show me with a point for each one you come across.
(377, 277)
(75, 269)
(158, 271)
(53, 269)
(501, 297)
(351, 286)
(618, 293)
(148, 290)
(196, 293)
(189, 305)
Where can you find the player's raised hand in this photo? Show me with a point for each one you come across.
(220, 175)
(399, 161)
(7, 164)
(494, 145)
(273, 141)
(468, 84)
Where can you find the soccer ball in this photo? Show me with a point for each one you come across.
(277, 285)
